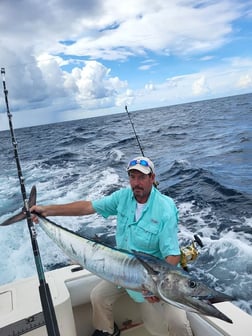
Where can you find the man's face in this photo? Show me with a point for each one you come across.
(141, 185)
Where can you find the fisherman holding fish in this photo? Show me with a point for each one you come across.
(147, 221)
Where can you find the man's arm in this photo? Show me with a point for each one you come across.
(173, 259)
(78, 208)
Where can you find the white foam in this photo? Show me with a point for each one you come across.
(17, 259)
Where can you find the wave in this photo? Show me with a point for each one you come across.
(61, 159)
(76, 141)
(187, 182)
(219, 207)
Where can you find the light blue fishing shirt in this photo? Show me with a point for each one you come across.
(155, 232)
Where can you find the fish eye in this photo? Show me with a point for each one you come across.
(192, 283)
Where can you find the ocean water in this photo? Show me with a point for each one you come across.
(203, 157)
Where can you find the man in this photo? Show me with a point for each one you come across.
(147, 222)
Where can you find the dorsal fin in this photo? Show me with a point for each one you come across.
(143, 258)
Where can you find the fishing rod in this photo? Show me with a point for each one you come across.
(156, 183)
(190, 252)
(133, 127)
(44, 290)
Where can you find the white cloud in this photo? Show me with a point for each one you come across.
(95, 87)
(150, 87)
(161, 26)
(245, 81)
(207, 58)
(63, 55)
(199, 86)
(210, 83)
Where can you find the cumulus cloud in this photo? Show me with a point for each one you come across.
(76, 55)
(94, 86)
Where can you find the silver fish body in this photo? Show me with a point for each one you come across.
(108, 263)
(132, 270)
(138, 271)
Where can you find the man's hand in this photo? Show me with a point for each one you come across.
(150, 297)
(37, 209)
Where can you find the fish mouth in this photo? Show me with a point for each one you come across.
(214, 298)
(218, 299)
(205, 305)
(200, 304)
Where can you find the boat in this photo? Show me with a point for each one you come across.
(21, 311)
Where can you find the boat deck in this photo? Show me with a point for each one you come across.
(21, 312)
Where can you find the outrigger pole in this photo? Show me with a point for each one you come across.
(44, 290)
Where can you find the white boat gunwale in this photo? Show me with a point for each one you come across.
(70, 288)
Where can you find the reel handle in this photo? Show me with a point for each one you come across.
(198, 240)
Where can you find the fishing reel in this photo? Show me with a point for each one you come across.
(190, 253)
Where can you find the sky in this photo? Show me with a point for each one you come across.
(67, 60)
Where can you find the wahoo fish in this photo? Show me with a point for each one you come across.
(132, 269)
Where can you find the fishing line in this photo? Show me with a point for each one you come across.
(44, 290)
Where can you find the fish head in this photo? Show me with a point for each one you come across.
(179, 288)
(182, 290)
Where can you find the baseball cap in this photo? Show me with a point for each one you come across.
(142, 164)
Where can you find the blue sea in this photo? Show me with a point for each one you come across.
(203, 157)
